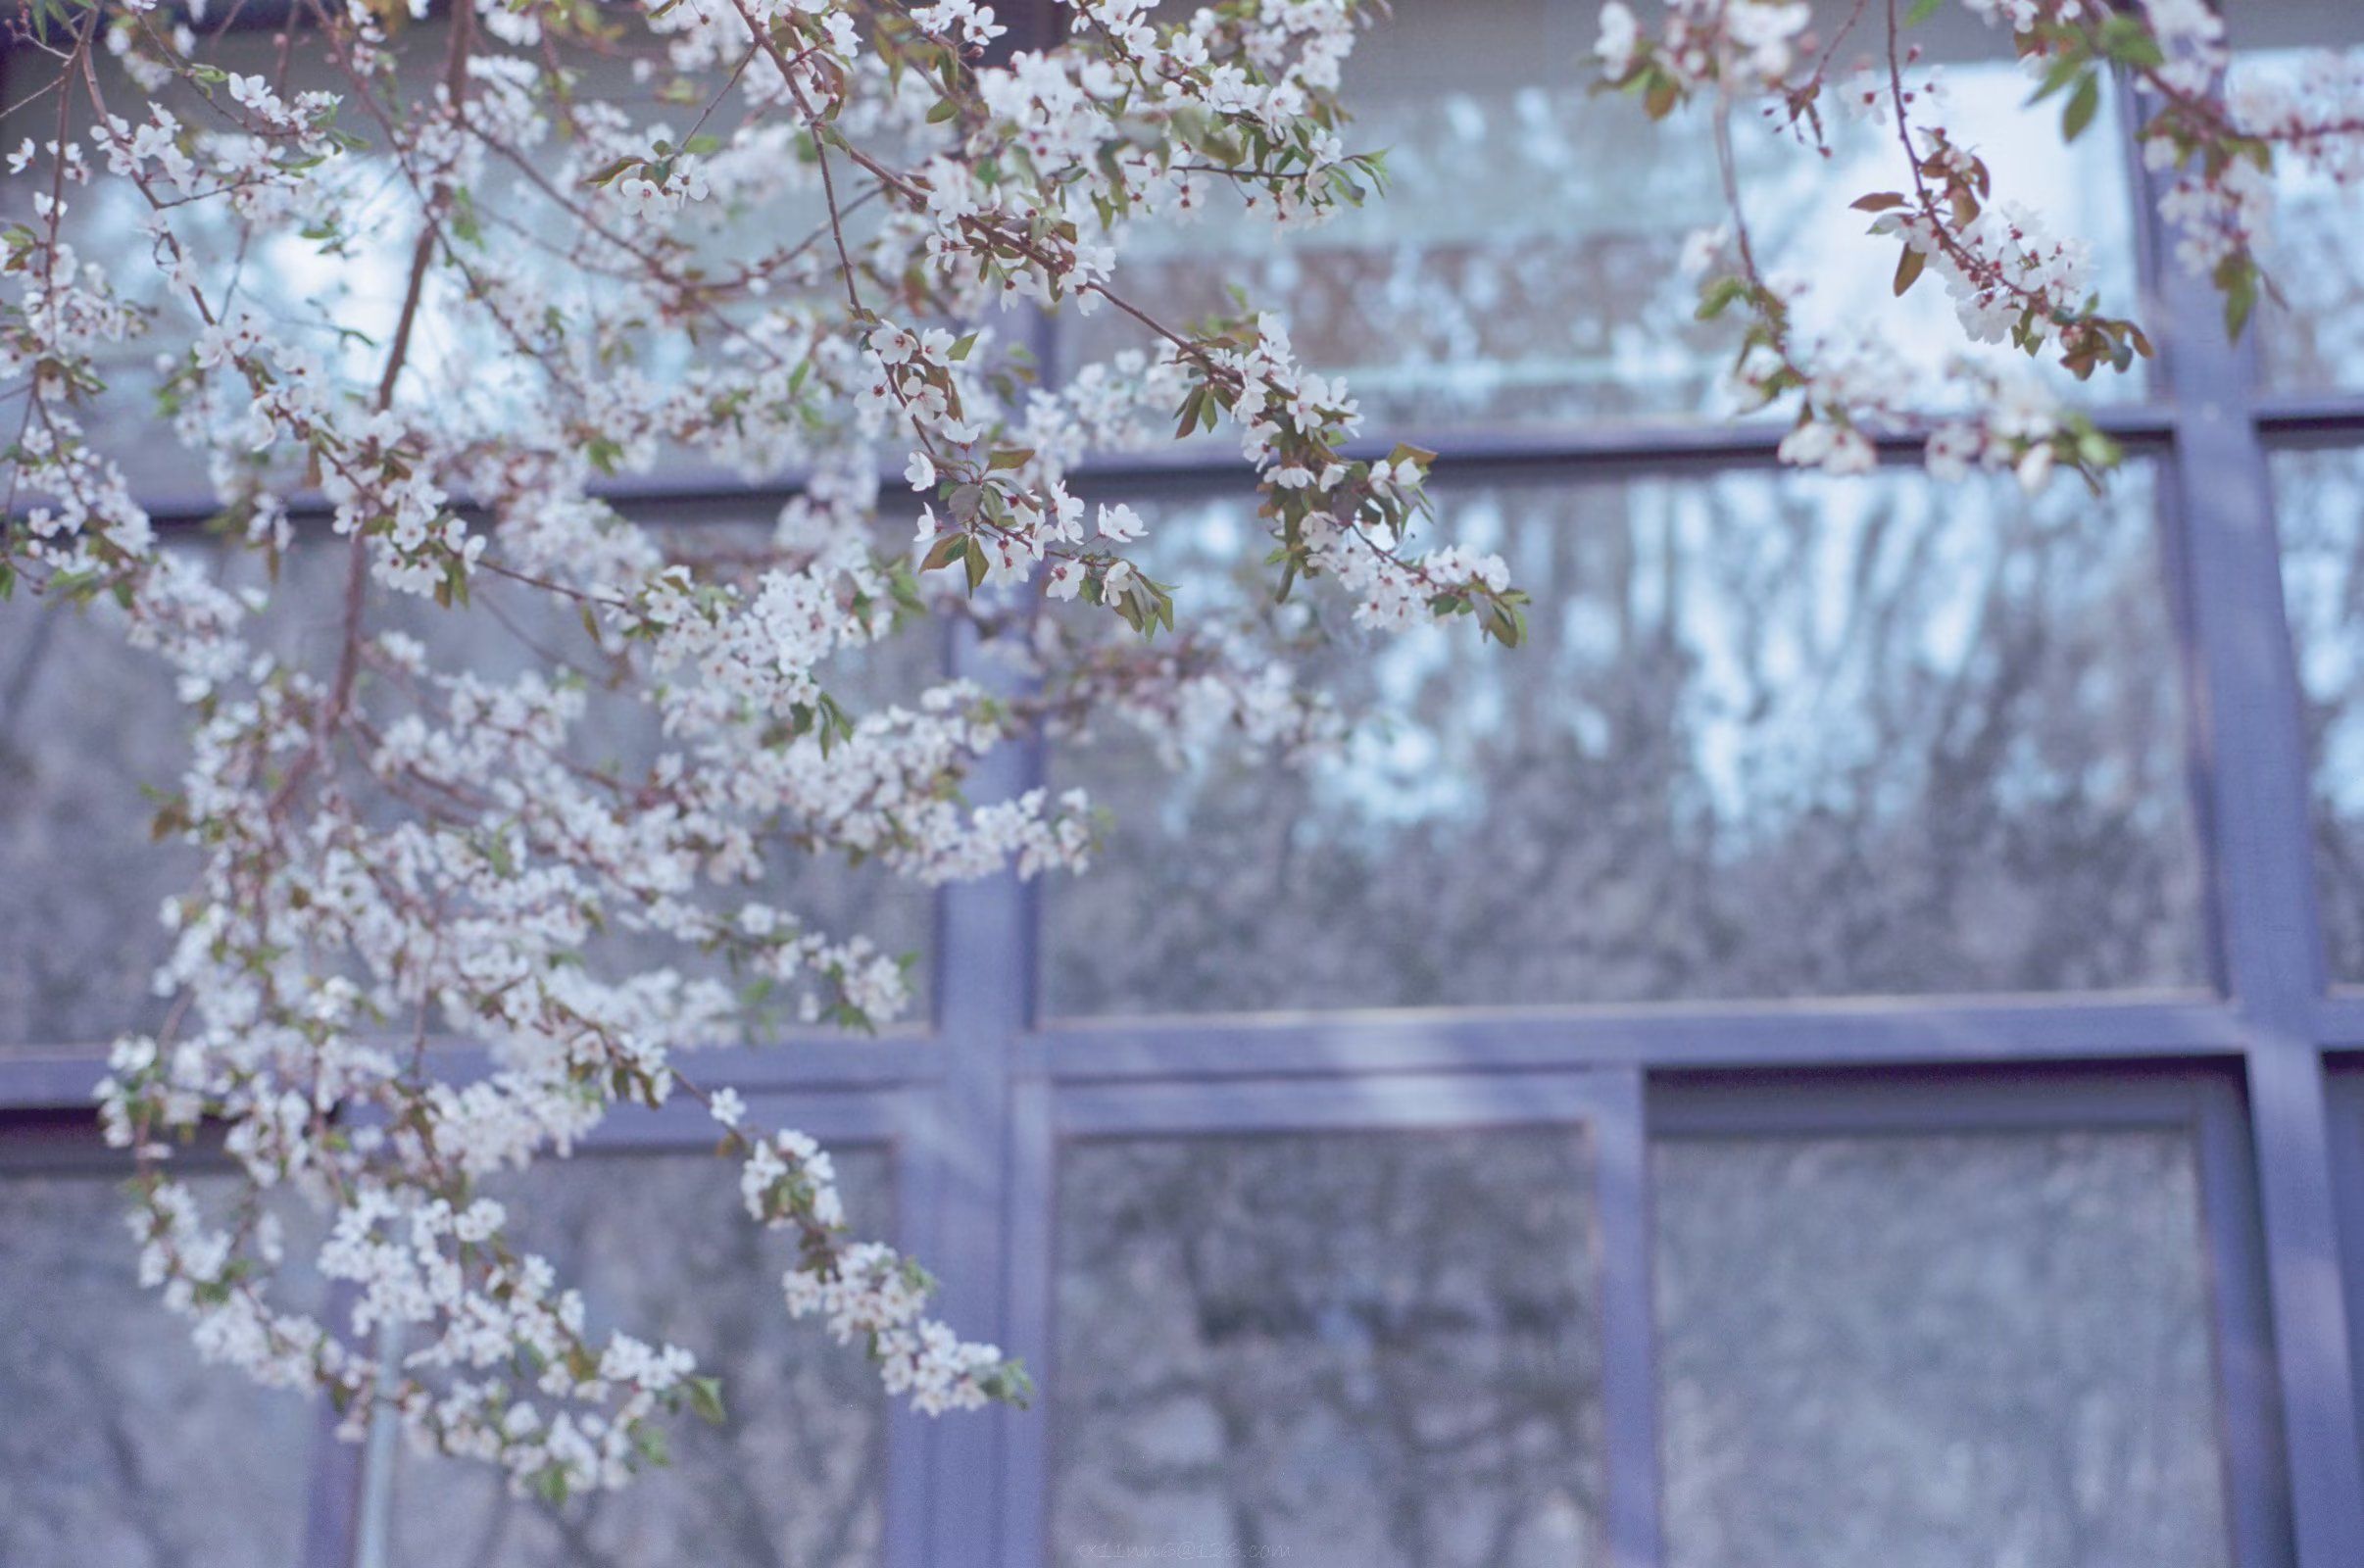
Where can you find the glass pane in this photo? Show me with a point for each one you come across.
(2311, 340)
(89, 727)
(1987, 1348)
(661, 1248)
(2319, 504)
(1774, 735)
(1377, 1349)
(342, 302)
(1524, 266)
(85, 721)
(117, 1445)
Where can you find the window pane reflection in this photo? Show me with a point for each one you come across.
(2312, 339)
(1988, 1349)
(1523, 267)
(1773, 736)
(661, 1248)
(2319, 504)
(1375, 1348)
(85, 722)
(118, 1445)
(90, 727)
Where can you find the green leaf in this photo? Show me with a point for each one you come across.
(975, 554)
(1012, 457)
(1190, 411)
(1922, 11)
(1504, 623)
(614, 171)
(944, 110)
(2081, 105)
(2241, 300)
(1718, 297)
(2063, 72)
(946, 550)
(960, 350)
(649, 1439)
(706, 1398)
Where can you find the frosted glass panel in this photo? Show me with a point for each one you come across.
(118, 1445)
(2319, 508)
(661, 1246)
(1936, 1351)
(1369, 1349)
(2312, 338)
(1524, 266)
(1773, 736)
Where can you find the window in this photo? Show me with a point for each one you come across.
(1382, 1345)
(1911, 1342)
(1819, 1061)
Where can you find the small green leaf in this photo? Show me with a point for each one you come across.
(2241, 300)
(706, 1398)
(1718, 297)
(2081, 105)
(946, 550)
(614, 171)
(2064, 71)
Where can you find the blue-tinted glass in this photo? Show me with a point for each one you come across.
(2319, 506)
(1523, 267)
(1987, 1348)
(87, 726)
(1773, 736)
(2312, 338)
(663, 1250)
(90, 728)
(119, 1444)
(1372, 1349)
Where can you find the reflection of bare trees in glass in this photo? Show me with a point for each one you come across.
(1368, 1348)
(1525, 267)
(793, 1479)
(1988, 1349)
(2319, 506)
(1773, 737)
(83, 723)
(119, 1446)
(2312, 338)
(89, 727)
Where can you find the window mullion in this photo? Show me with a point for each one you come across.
(2249, 755)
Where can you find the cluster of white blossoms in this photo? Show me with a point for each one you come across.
(2009, 280)
(492, 827)
(1739, 44)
